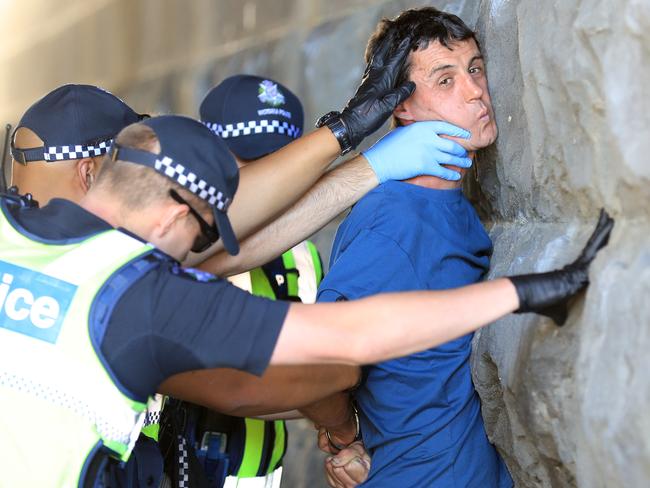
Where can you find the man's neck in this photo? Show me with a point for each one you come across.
(436, 183)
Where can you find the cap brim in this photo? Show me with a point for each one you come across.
(226, 233)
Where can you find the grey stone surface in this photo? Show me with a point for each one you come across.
(568, 407)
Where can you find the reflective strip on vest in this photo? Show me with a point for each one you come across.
(279, 446)
(151, 426)
(58, 400)
(292, 278)
(253, 448)
(307, 261)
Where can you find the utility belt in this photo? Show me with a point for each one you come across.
(201, 447)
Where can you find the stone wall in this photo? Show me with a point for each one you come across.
(568, 407)
(569, 80)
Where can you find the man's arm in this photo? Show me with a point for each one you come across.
(336, 191)
(280, 389)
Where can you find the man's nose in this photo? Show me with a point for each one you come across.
(471, 89)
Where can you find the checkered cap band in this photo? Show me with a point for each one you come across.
(60, 153)
(193, 183)
(254, 127)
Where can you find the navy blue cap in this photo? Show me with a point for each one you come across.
(192, 156)
(74, 121)
(254, 115)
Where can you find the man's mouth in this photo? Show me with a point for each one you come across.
(484, 115)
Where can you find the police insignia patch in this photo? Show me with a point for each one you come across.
(194, 274)
(269, 93)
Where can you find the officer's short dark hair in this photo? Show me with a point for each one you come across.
(423, 25)
(138, 186)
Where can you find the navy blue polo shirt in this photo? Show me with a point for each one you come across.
(420, 415)
(168, 322)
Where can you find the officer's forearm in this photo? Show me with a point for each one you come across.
(276, 181)
(336, 191)
(278, 390)
(330, 412)
(386, 326)
(290, 415)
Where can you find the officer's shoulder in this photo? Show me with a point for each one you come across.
(193, 274)
(173, 270)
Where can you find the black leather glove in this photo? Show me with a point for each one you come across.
(376, 97)
(549, 293)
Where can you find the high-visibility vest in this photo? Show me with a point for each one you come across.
(59, 402)
(302, 274)
(293, 276)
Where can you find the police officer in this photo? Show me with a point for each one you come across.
(256, 116)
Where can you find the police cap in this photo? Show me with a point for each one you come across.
(192, 156)
(254, 115)
(74, 122)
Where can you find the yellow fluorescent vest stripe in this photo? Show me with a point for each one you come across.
(58, 401)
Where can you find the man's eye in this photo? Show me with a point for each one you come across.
(475, 69)
(445, 82)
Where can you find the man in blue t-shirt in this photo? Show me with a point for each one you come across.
(420, 415)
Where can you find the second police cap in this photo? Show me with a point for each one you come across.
(194, 158)
(74, 122)
(254, 115)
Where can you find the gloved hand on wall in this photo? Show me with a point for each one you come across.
(549, 293)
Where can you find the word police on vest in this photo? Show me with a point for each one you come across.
(32, 303)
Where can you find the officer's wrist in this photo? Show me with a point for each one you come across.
(334, 122)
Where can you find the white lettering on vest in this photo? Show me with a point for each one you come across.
(19, 303)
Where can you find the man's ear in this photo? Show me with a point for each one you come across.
(87, 169)
(403, 113)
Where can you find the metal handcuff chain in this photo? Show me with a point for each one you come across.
(357, 434)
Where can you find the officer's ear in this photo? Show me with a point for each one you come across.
(171, 215)
(87, 169)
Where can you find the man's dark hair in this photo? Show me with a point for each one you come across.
(423, 26)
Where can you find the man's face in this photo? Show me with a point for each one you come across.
(451, 86)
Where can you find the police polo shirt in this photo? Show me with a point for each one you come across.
(168, 322)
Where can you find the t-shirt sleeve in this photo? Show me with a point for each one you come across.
(371, 263)
(170, 322)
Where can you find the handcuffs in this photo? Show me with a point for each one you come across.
(357, 434)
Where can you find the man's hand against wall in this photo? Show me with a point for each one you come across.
(349, 467)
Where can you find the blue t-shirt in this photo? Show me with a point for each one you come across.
(420, 415)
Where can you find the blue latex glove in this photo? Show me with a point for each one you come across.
(418, 149)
